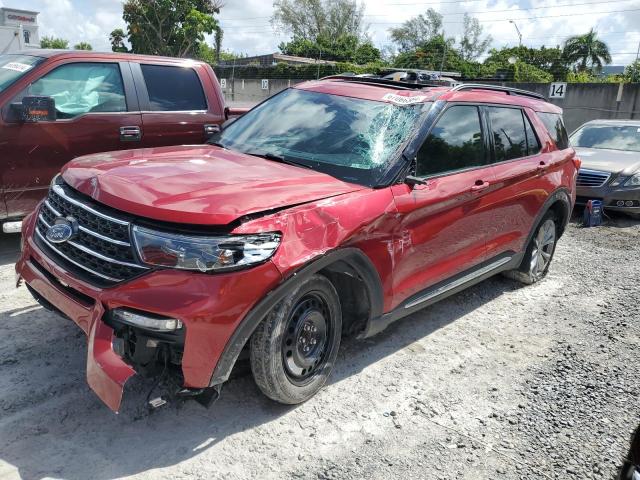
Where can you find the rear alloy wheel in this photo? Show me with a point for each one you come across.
(539, 253)
(294, 348)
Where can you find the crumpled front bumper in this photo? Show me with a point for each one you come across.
(209, 306)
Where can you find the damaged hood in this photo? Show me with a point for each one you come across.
(200, 184)
(615, 161)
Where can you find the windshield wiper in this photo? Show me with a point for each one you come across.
(278, 158)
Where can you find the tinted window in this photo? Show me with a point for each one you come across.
(555, 126)
(79, 88)
(173, 88)
(455, 142)
(533, 144)
(13, 67)
(507, 129)
(353, 139)
(615, 137)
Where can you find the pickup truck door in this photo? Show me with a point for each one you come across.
(179, 103)
(97, 111)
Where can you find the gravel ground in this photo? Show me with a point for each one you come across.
(500, 381)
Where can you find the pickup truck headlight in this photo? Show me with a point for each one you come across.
(204, 253)
(634, 181)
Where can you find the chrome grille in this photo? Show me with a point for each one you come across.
(592, 178)
(101, 251)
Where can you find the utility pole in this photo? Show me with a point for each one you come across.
(517, 30)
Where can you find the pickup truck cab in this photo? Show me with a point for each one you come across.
(56, 105)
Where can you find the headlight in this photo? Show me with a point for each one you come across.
(633, 181)
(204, 253)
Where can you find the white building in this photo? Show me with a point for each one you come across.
(18, 30)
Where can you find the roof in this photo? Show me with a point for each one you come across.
(403, 94)
(50, 53)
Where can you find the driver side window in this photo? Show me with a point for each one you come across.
(79, 88)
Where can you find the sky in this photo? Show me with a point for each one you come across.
(247, 28)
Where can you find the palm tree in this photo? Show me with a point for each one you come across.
(586, 51)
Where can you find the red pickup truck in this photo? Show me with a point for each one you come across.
(56, 105)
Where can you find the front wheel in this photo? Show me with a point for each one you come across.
(294, 348)
(539, 253)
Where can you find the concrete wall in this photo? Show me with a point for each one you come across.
(582, 102)
(11, 39)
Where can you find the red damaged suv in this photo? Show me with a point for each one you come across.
(331, 209)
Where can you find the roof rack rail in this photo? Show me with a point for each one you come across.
(383, 82)
(497, 88)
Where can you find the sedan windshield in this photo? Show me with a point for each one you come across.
(615, 137)
(352, 139)
(13, 67)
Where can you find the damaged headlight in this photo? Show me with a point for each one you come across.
(204, 253)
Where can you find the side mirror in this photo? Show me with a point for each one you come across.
(35, 109)
(413, 181)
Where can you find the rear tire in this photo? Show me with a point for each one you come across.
(294, 348)
(539, 252)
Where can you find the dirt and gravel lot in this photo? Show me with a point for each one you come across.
(497, 382)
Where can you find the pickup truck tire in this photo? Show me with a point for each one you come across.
(539, 253)
(294, 348)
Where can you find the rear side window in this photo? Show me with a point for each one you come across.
(79, 88)
(555, 126)
(508, 132)
(173, 88)
(455, 143)
(533, 144)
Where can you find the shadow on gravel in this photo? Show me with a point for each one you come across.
(66, 432)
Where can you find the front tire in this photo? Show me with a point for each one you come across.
(294, 348)
(539, 253)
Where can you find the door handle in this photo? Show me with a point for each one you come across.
(130, 134)
(479, 186)
(210, 129)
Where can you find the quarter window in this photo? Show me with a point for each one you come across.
(508, 132)
(555, 126)
(455, 143)
(79, 88)
(173, 88)
(533, 144)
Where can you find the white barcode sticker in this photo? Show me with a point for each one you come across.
(401, 100)
(17, 67)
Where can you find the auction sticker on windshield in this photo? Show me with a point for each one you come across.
(17, 67)
(400, 100)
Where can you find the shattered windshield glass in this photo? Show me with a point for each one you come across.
(352, 139)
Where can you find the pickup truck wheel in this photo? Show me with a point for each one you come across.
(539, 253)
(294, 348)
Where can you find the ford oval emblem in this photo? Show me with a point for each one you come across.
(60, 232)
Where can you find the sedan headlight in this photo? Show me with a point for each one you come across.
(204, 253)
(633, 181)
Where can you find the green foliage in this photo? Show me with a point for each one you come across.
(168, 27)
(116, 38)
(82, 46)
(587, 52)
(417, 31)
(472, 45)
(209, 54)
(549, 60)
(434, 54)
(52, 42)
(632, 72)
(311, 71)
(523, 72)
(346, 48)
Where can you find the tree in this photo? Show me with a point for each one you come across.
(346, 48)
(417, 31)
(435, 54)
(51, 42)
(82, 46)
(169, 27)
(550, 60)
(311, 19)
(217, 40)
(587, 52)
(472, 45)
(632, 72)
(117, 41)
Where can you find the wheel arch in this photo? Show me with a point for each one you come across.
(338, 265)
(560, 203)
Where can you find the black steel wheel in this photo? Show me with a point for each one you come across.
(294, 348)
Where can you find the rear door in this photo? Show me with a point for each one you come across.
(95, 103)
(522, 170)
(175, 107)
(443, 224)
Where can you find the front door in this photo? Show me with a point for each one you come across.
(442, 224)
(93, 108)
